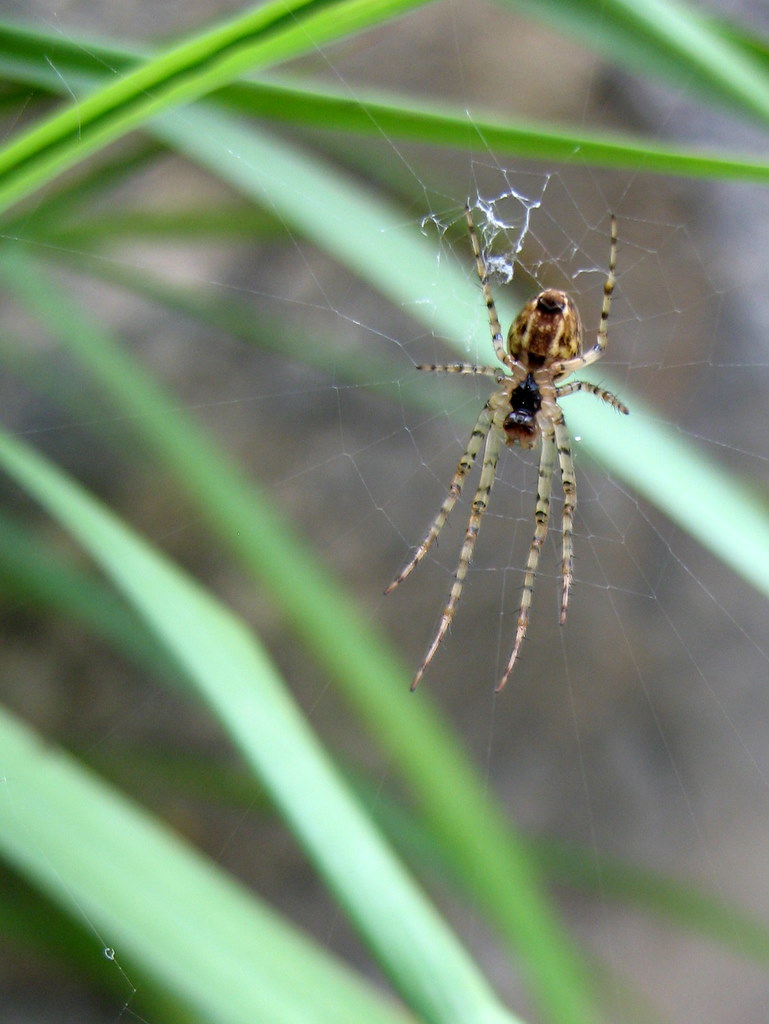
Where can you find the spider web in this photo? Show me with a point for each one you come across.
(639, 728)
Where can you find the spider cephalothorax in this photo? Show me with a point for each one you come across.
(544, 347)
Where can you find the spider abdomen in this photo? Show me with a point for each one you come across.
(547, 329)
(520, 424)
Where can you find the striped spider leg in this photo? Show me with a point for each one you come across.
(544, 347)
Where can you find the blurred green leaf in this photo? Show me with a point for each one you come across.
(666, 39)
(160, 904)
(266, 34)
(317, 105)
(234, 676)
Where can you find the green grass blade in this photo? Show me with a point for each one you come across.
(265, 35)
(159, 904)
(666, 47)
(43, 58)
(223, 224)
(370, 113)
(665, 38)
(234, 676)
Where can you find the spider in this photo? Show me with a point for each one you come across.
(544, 347)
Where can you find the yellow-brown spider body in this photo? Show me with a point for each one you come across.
(547, 329)
(544, 347)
